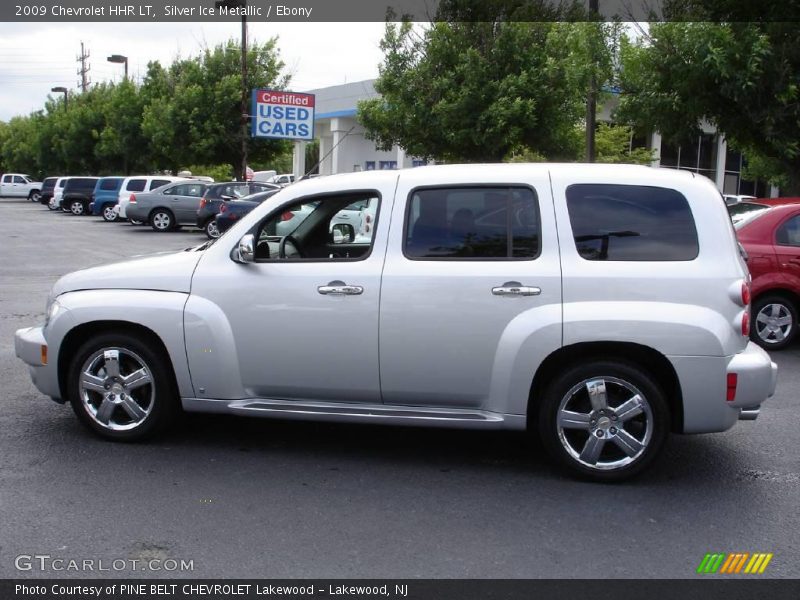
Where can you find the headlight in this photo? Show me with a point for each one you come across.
(52, 311)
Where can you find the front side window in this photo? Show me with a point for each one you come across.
(631, 223)
(472, 223)
(18, 179)
(788, 234)
(136, 185)
(317, 229)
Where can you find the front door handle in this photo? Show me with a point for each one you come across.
(514, 288)
(340, 288)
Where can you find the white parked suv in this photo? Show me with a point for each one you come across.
(598, 306)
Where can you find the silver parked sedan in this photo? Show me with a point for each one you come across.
(169, 206)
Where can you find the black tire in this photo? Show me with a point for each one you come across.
(108, 214)
(161, 220)
(160, 396)
(612, 463)
(771, 335)
(34, 196)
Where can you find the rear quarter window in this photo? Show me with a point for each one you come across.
(613, 222)
(136, 185)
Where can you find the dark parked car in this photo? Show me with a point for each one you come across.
(78, 195)
(218, 193)
(770, 235)
(230, 212)
(48, 186)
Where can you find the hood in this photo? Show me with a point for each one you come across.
(166, 271)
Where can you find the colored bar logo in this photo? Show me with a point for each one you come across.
(735, 563)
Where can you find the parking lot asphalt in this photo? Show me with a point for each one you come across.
(260, 498)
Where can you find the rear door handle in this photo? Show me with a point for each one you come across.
(340, 288)
(514, 288)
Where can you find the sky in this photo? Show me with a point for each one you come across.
(37, 57)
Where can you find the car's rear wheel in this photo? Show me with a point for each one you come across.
(52, 204)
(121, 388)
(35, 196)
(76, 207)
(604, 420)
(162, 220)
(109, 214)
(212, 232)
(774, 322)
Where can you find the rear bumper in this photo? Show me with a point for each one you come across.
(136, 212)
(703, 382)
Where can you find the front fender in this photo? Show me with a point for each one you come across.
(160, 312)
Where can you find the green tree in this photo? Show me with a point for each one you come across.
(474, 91)
(743, 77)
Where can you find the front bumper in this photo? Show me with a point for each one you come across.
(31, 347)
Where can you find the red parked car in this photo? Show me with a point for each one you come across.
(769, 230)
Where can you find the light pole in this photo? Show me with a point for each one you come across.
(118, 58)
(244, 112)
(61, 90)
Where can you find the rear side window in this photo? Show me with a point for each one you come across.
(109, 184)
(631, 223)
(136, 185)
(472, 223)
(788, 234)
(157, 183)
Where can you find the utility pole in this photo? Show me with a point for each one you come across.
(84, 70)
(244, 94)
(591, 99)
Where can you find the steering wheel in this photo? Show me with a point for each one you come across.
(295, 243)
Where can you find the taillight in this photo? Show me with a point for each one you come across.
(132, 199)
(223, 208)
(745, 293)
(746, 322)
(287, 216)
(203, 202)
(733, 379)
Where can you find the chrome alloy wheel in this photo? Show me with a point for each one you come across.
(604, 423)
(212, 231)
(109, 214)
(773, 323)
(116, 389)
(76, 208)
(162, 221)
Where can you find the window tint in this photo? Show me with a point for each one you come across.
(48, 184)
(186, 189)
(788, 234)
(472, 223)
(157, 183)
(136, 185)
(631, 222)
(6, 178)
(18, 179)
(316, 230)
(109, 184)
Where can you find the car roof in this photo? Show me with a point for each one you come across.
(776, 201)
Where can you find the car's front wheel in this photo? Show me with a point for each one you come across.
(774, 322)
(162, 220)
(109, 214)
(604, 420)
(120, 388)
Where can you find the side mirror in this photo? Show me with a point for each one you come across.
(245, 251)
(343, 233)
